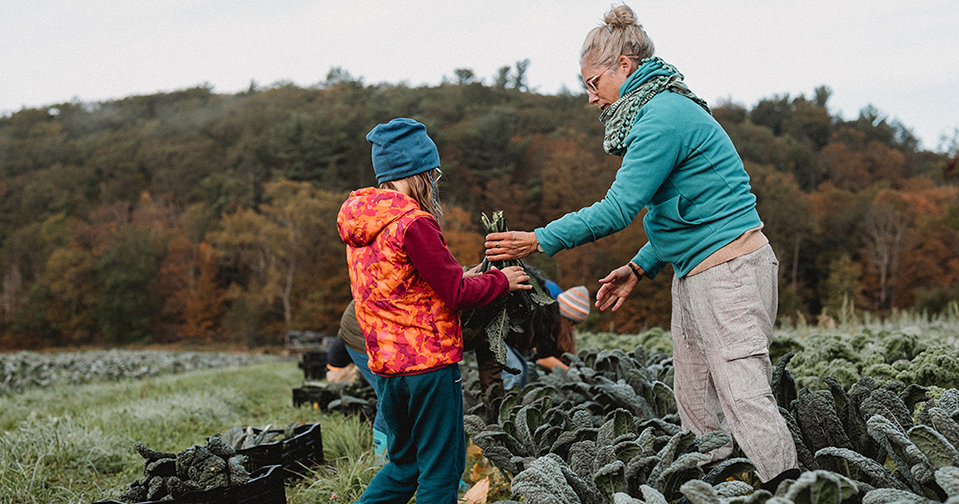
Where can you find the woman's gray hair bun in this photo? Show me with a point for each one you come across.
(621, 34)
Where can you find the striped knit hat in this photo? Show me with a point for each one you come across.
(574, 303)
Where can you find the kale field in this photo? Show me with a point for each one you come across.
(873, 407)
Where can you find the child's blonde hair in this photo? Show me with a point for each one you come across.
(423, 191)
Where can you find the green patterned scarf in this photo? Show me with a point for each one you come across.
(618, 117)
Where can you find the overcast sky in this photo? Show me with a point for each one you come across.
(900, 56)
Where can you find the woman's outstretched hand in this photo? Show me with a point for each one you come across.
(618, 284)
(510, 245)
(518, 279)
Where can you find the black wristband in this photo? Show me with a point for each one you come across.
(635, 271)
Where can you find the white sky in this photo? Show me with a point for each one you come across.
(900, 56)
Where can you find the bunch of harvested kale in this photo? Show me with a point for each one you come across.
(168, 475)
(245, 438)
(510, 313)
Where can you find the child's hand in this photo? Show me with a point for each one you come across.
(472, 272)
(516, 277)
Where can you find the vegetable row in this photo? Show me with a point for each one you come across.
(606, 431)
(24, 370)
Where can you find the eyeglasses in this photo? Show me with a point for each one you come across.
(593, 82)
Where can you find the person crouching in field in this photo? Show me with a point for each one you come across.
(408, 288)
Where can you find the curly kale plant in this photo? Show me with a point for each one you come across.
(603, 432)
(606, 429)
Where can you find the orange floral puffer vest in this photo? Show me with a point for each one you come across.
(408, 328)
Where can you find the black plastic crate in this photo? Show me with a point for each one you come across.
(270, 491)
(317, 397)
(302, 450)
(265, 487)
(347, 399)
(313, 365)
(262, 455)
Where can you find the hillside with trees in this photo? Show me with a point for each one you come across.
(197, 216)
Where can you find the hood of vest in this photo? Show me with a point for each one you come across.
(368, 211)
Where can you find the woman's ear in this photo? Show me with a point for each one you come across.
(625, 63)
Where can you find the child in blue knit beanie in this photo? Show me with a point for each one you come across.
(408, 289)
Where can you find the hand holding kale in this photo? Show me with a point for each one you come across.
(510, 313)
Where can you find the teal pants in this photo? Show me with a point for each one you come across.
(426, 439)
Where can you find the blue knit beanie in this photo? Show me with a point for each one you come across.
(401, 148)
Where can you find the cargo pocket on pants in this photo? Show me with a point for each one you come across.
(753, 343)
(748, 368)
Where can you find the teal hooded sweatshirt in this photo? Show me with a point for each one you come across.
(682, 167)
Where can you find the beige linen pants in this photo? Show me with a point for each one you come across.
(722, 326)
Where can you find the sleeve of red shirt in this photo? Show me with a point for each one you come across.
(427, 249)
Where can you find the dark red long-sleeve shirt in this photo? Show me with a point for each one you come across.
(427, 250)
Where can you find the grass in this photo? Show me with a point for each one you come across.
(351, 464)
(75, 444)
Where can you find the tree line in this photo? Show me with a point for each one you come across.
(197, 216)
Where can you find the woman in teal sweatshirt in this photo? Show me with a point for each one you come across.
(701, 217)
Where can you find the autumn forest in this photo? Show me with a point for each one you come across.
(194, 216)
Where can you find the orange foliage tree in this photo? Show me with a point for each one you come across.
(463, 237)
(194, 301)
(289, 250)
(207, 304)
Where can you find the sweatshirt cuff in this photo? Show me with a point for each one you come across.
(543, 243)
(648, 261)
